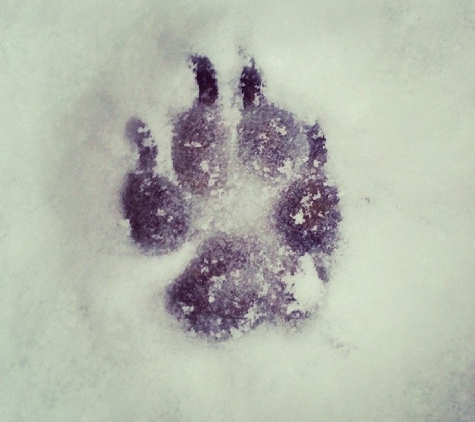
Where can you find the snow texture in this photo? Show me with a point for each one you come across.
(85, 331)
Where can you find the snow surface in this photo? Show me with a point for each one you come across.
(84, 335)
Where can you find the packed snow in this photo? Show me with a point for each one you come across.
(85, 334)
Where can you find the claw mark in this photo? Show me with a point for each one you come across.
(318, 151)
(250, 85)
(206, 80)
(138, 133)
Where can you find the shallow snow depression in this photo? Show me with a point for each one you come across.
(85, 334)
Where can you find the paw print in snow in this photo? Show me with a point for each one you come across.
(258, 204)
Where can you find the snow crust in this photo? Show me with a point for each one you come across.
(84, 333)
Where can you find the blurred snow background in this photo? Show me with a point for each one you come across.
(83, 334)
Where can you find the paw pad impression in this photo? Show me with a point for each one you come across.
(263, 211)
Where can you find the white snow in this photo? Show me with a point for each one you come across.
(84, 334)
(298, 218)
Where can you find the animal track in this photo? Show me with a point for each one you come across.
(259, 207)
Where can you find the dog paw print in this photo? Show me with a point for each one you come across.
(254, 198)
